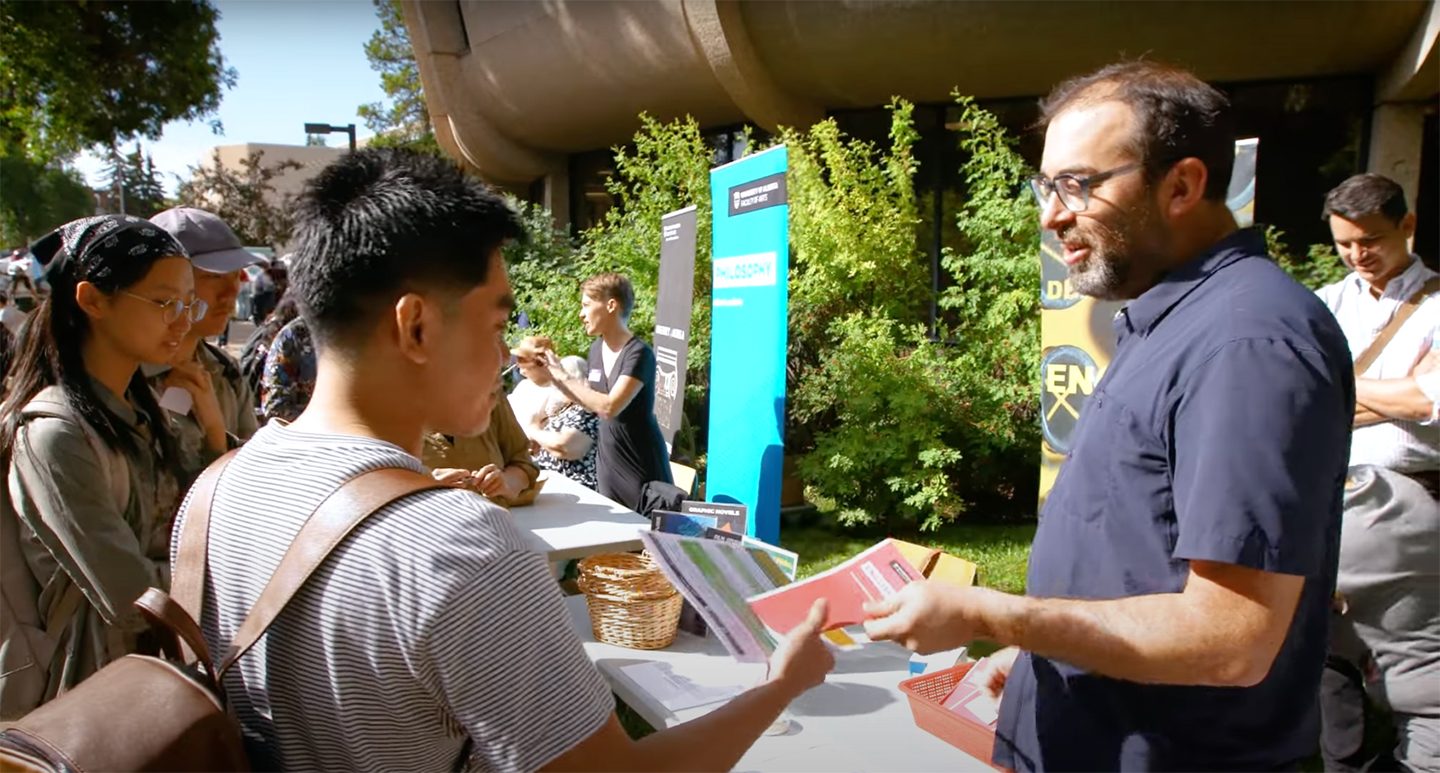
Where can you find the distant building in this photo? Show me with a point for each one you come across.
(287, 184)
(312, 158)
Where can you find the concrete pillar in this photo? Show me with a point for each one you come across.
(1396, 133)
(1402, 91)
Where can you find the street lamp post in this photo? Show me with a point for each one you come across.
(325, 128)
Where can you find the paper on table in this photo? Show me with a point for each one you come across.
(677, 692)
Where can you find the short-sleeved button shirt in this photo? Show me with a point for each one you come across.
(1220, 432)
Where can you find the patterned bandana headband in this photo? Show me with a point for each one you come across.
(89, 248)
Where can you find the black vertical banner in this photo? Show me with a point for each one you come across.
(672, 317)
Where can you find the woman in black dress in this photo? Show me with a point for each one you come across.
(620, 389)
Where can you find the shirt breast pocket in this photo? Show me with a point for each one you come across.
(1087, 479)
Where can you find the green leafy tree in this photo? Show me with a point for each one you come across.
(404, 121)
(244, 198)
(35, 198)
(74, 75)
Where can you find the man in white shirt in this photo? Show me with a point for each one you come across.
(1388, 623)
(1395, 412)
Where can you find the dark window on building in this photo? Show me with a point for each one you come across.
(535, 192)
(1312, 136)
(589, 200)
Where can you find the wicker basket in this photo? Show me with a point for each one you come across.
(631, 603)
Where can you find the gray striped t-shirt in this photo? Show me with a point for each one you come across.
(432, 623)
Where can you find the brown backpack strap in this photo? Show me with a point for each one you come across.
(187, 582)
(175, 627)
(1408, 307)
(337, 516)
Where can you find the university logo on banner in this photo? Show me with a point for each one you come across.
(1067, 377)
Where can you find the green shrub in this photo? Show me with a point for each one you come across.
(544, 276)
(890, 396)
(992, 309)
(902, 429)
(1320, 265)
(852, 227)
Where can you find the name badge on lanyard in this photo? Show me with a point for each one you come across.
(595, 375)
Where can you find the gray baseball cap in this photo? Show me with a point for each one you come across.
(212, 245)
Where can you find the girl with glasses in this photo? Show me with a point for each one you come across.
(91, 464)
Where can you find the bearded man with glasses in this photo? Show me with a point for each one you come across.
(1181, 576)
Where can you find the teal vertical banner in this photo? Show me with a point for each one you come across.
(750, 270)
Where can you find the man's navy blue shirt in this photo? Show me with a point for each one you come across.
(1220, 432)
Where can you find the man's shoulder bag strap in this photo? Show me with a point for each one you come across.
(1407, 308)
(336, 516)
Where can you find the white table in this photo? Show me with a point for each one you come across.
(568, 520)
(857, 721)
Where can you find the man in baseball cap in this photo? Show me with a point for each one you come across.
(203, 387)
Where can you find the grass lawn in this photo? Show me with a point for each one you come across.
(1000, 549)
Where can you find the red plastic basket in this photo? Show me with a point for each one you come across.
(927, 694)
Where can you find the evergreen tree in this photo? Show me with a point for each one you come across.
(405, 121)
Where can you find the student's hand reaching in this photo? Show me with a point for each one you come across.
(802, 660)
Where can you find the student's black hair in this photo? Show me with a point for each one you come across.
(112, 252)
(382, 222)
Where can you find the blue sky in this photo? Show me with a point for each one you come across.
(297, 61)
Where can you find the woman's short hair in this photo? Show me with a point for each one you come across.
(611, 287)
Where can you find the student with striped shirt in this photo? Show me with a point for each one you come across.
(432, 638)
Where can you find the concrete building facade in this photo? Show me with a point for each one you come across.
(529, 94)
